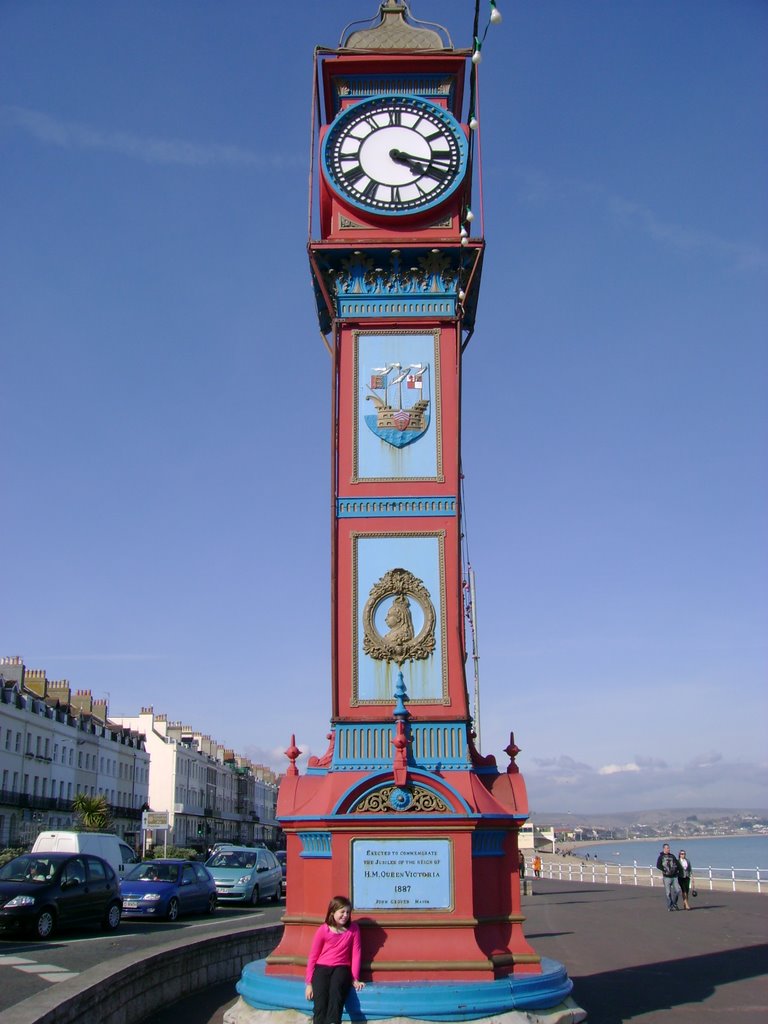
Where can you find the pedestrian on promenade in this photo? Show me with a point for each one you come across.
(537, 866)
(684, 877)
(521, 863)
(669, 867)
(334, 960)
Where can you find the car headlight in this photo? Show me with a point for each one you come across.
(244, 880)
(151, 897)
(21, 901)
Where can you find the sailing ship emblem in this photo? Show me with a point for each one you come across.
(401, 396)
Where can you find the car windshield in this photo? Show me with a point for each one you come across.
(28, 869)
(232, 859)
(154, 873)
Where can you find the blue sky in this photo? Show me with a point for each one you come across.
(164, 533)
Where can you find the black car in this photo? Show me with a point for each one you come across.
(40, 892)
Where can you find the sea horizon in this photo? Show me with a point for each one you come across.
(730, 851)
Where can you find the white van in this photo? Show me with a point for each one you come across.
(109, 847)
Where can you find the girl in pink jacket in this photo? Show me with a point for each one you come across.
(334, 962)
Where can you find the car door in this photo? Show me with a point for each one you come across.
(190, 897)
(205, 884)
(269, 873)
(73, 899)
(101, 886)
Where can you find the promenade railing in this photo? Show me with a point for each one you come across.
(575, 869)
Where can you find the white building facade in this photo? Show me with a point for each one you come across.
(210, 793)
(55, 744)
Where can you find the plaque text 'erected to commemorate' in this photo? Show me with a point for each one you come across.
(402, 875)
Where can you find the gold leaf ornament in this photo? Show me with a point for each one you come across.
(401, 642)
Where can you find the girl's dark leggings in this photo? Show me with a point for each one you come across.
(330, 986)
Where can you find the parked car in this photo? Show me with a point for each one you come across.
(167, 888)
(106, 845)
(40, 892)
(246, 874)
(282, 860)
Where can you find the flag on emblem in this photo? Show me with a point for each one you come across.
(378, 380)
(415, 381)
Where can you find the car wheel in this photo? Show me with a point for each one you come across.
(173, 910)
(111, 920)
(212, 904)
(255, 896)
(44, 924)
(276, 897)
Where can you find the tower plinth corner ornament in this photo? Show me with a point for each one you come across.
(325, 760)
(512, 750)
(292, 753)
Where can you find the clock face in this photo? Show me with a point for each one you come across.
(394, 155)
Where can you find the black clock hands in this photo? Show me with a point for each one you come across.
(418, 166)
(413, 162)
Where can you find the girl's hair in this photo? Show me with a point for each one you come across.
(337, 903)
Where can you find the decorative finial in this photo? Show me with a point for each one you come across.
(400, 741)
(401, 711)
(292, 753)
(512, 750)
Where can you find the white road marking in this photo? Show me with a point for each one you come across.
(48, 972)
(33, 968)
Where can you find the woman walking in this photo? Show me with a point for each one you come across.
(333, 966)
(684, 877)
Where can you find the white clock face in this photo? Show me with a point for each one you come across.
(395, 154)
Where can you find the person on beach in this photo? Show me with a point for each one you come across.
(684, 877)
(537, 866)
(333, 966)
(669, 867)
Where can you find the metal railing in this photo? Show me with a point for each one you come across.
(578, 870)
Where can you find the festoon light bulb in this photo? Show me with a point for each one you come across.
(496, 18)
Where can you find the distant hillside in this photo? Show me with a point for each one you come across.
(656, 818)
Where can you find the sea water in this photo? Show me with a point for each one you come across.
(716, 852)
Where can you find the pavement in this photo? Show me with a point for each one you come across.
(631, 960)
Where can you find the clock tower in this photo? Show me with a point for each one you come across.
(402, 812)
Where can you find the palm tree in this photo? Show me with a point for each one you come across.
(93, 812)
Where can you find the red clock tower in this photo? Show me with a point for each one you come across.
(402, 812)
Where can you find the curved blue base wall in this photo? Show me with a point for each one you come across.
(419, 1000)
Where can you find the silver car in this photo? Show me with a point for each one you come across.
(245, 874)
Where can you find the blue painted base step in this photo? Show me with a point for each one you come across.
(523, 999)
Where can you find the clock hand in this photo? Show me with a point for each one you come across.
(413, 162)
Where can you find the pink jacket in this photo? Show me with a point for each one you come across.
(334, 949)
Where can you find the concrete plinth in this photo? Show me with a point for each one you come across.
(566, 1012)
(525, 999)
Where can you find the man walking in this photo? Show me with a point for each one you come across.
(669, 867)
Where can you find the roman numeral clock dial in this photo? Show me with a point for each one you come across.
(394, 155)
